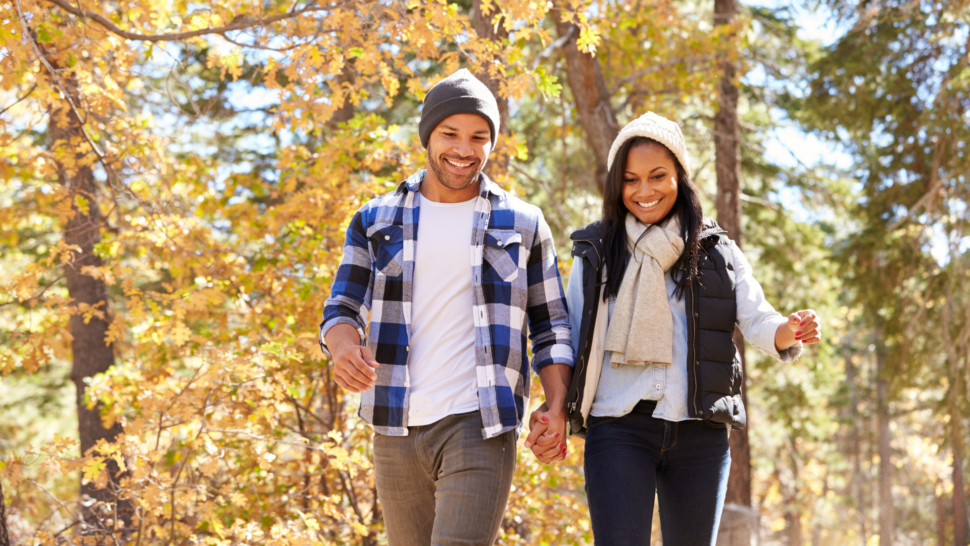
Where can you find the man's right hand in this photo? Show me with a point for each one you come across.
(353, 364)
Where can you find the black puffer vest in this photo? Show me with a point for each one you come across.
(713, 362)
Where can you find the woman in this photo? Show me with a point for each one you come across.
(654, 294)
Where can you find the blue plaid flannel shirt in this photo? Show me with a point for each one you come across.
(515, 279)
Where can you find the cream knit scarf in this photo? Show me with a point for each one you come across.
(641, 330)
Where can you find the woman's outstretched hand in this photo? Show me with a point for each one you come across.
(547, 434)
(804, 326)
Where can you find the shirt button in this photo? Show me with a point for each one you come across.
(387, 237)
(407, 348)
(499, 243)
(659, 386)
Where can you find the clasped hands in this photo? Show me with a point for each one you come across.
(547, 434)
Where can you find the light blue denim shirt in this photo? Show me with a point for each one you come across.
(621, 388)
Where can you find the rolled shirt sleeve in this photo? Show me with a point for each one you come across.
(350, 294)
(549, 327)
(756, 317)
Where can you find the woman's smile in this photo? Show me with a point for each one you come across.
(648, 204)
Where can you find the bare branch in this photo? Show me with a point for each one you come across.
(18, 101)
(242, 23)
(760, 201)
(936, 183)
(658, 66)
(561, 41)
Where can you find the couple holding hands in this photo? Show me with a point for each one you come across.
(441, 279)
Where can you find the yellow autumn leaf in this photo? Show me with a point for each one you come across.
(238, 499)
(180, 334)
(92, 468)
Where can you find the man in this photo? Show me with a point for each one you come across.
(443, 371)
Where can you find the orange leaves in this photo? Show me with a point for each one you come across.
(180, 333)
(225, 208)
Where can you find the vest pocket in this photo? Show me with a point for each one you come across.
(387, 243)
(501, 255)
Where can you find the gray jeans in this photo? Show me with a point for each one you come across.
(444, 484)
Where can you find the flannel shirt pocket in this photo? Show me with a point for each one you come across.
(387, 242)
(502, 255)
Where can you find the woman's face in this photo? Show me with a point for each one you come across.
(649, 182)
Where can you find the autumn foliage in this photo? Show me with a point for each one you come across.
(213, 154)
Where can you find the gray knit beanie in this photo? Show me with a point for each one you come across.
(658, 128)
(460, 93)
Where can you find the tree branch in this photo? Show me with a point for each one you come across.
(561, 41)
(242, 23)
(57, 81)
(18, 101)
(936, 183)
(35, 296)
(658, 66)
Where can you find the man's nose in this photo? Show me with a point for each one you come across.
(464, 148)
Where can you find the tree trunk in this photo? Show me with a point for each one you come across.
(940, 515)
(346, 110)
(91, 354)
(886, 520)
(739, 481)
(727, 135)
(499, 162)
(4, 534)
(954, 395)
(855, 447)
(793, 524)
(957, 442)
(727, 157)
(793, 515)
(585, 80)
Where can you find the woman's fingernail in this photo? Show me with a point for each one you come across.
(562, 445)
(798, 333)
(557, 435)
(545, 419)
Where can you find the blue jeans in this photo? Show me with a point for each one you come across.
(630, 458)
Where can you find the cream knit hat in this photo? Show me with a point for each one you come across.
(658, 128)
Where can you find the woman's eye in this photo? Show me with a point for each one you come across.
(629, 180)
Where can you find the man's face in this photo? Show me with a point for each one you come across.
(458, 149)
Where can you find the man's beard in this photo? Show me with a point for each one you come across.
(449, 179)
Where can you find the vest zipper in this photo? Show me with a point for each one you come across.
(571, 406)
(693, 320)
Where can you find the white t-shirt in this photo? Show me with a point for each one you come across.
(441, 363)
